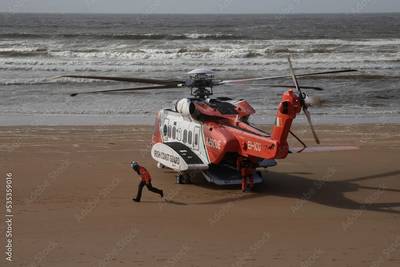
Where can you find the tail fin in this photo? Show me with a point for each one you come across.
(287, 110)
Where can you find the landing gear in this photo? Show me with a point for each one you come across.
(160, 166)
(183, 178)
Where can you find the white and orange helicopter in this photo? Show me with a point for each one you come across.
(212, 136)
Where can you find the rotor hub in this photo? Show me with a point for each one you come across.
(201, 82)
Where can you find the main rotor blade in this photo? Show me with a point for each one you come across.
(127, 89)
(291, 86)
(124, 79)
(280, 77)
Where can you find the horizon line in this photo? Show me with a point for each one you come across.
(182, 13)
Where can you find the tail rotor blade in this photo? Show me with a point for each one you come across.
(308, 116)
(296, 83)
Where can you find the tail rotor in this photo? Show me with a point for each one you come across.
(303, 103)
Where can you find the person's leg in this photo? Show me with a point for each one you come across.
(139, 193)
(154, 189)
(244, 183)
(251, 180)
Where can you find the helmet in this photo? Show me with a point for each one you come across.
(134, 165)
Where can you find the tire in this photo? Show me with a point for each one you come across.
(183, 179)
(179, 179)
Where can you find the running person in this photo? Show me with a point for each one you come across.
(145, 181)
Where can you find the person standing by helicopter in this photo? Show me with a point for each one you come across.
(244, 166)
(145, 181)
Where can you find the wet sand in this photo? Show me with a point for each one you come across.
(72, 190)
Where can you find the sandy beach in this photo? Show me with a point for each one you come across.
(73, 189)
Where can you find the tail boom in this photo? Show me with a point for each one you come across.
(289, 107)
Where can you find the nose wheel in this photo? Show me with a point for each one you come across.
(183, 178)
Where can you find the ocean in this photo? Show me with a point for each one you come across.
(36, 47)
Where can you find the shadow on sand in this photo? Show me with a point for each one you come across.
(324, 192)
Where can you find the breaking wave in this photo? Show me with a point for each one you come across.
(23, 52)
(126, 36)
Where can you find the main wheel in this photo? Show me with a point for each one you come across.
(183, 179)
(187, 179)
(179, 179)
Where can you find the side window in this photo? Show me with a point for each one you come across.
(184, 136)
(190, 137)
(196, 139)
(165, 130)
(169, 131)
(179, 134)
(174, 132)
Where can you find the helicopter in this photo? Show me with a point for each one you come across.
(206, 135)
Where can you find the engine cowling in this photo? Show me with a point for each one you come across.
(185, 107)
